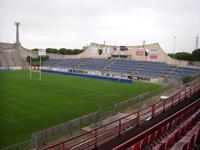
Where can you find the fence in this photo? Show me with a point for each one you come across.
(68, 128)
(25, 145)
(63, 129)
(124, 104)
(92, 138)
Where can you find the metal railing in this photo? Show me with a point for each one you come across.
(103, 133)
(192, 108)
(71, 127)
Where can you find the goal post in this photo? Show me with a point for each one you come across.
(41, 52)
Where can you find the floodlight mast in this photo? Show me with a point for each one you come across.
(197, 42)
(174, 46)
(30, 67)
(40, 69)
(17, 31)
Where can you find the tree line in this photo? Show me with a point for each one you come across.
(36, 61)
(62, 51)
(194, 56)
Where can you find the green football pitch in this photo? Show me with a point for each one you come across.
(27, 106)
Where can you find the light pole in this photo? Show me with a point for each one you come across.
(197, 42)
(17, 31)
(174, 46)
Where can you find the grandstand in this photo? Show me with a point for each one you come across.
(10, 56)
(132, 62)
(130, 68)
(147, 61)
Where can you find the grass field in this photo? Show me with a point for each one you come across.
(28, 105)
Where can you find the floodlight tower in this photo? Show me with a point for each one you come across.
(17, 32)
(197, 42)
(143, 54)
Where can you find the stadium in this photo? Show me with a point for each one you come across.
(69, 102)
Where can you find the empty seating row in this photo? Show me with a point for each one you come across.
(62, 63)
(190, 141)
(176, 125)
(94, 64)
(128, 62)
(182, 72)
(157, 138)
(115, 68)
(179, 131)
(158, 73)
(10, 59)
(145, 68)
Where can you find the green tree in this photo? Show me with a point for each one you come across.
(62, 51)
(196, 55)
(36, 61)
(100, 51)
(183, 56)
(171, 55)
(186, 79)
(146, 53)
(51, 50)
(35, 49)
(77, 51)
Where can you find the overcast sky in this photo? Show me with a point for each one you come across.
(76, 23)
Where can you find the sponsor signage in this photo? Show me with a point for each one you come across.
(42, 52)
(139, 51)
(153, 53)
(94, 50)
(106, 50)
(123, 48)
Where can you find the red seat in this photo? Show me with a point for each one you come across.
(182, 129)
(197, 125)
(169, 125)
(180, 146)
(177, 134)
(197, 116)
(181, 117)
(191, 142)
(176, 120)
(192, 132)
(162, 146)
(190, 123)
(197, 140)
(186, 126)
(185, 140)
(144, 142)
(158, 133)
(173, 122)
(152, 137)
(157, 147)
(193, 120)
(169, 142)
(164, 129)
(185, 146)
(136, 146)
